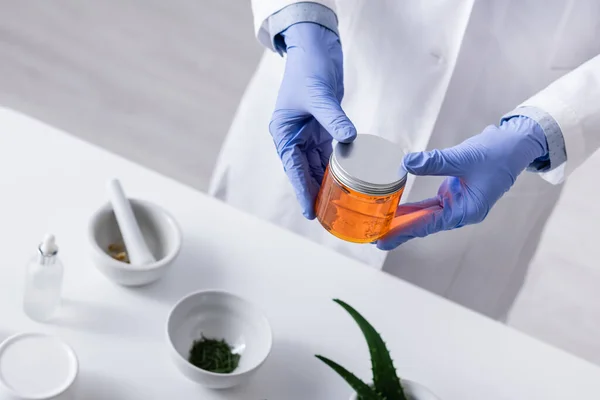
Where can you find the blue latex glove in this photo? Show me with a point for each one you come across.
(308, 113)
(480, 170)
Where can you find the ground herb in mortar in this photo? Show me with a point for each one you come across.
(213, 355)
(118, 252)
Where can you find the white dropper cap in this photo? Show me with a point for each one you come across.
(48, 246)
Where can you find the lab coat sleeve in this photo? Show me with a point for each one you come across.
(265, 27)
(573, 101)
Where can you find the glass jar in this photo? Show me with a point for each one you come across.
(361, 189)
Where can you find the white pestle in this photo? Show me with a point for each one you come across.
(137, 249)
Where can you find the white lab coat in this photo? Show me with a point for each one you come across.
(429, 74)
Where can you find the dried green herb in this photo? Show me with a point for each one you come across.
(213, 355)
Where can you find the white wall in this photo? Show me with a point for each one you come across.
(157, 81)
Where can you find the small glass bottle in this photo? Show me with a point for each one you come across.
(361, 189)
(43, 282)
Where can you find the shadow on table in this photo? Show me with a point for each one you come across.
(196, 268)
(93, 386)
(95, 318)
(292, 382)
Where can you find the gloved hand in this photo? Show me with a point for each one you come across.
(308, 113)
(480, 170)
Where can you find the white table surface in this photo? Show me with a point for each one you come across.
(52, 182)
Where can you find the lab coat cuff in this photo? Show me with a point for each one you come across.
(296, 13)
(557, 154)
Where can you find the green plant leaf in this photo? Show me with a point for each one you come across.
(385, 378)
(364, 391)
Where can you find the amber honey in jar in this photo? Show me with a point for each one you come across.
(361, 189)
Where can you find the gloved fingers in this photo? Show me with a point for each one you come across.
(420, 223)
(409, 208)
(469, 205)
(442, 212)
(316, 166)
(454, 161)
(326, 108)
(287, 128)
(325, 149)
(297, 168)
(339, 94)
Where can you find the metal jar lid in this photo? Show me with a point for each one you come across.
(370, 165)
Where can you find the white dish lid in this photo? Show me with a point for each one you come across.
(36, 366)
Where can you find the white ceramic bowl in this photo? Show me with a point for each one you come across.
(160, 230)
(413, 391)
(221, 315)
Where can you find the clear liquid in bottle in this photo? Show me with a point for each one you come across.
(43, 282)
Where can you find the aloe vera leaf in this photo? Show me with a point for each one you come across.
(385, 377)
(364, 391)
